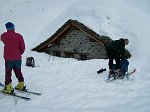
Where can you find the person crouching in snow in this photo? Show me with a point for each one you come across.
(14, 47)
(116, 51)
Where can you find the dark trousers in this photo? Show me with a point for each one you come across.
(113, 55)
(16, 67)
(124, 66)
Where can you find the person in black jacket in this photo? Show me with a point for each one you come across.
(116, 51)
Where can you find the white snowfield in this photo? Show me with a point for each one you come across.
(69, 85)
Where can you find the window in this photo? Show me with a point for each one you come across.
(83, 57)
(56, 53)
(69, 55)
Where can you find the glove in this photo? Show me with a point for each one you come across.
(101, 70)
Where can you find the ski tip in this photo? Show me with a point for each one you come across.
(2, 84)
(23, 97)
(38, 93)
(134, 70)
(28, 98)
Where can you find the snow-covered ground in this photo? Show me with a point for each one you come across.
(68, 85)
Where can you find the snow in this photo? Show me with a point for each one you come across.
(69, 85)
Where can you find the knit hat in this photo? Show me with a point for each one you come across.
(10, 26)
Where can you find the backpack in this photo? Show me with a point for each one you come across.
(30, 62)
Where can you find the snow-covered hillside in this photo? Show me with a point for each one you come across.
(114, 19)
(68, 85)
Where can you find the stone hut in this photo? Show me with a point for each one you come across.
(75, 40)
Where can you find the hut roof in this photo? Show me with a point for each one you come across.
(69, 25)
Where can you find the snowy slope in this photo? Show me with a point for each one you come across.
(30, 16)
(69, 85)
(125, 21)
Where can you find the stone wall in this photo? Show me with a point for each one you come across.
(79, 43)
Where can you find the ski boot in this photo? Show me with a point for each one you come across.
(8, 89)
(111, 74)
(119, 74)
(20, 86)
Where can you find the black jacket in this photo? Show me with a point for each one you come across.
(117, 46)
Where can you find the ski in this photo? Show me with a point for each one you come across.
(132, 72)
(127, 75)
(24, 90)
(27, 91)
(109, 80)
(15, 95)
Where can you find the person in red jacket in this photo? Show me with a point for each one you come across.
(14, 47)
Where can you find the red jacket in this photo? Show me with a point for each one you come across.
(14, 45)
